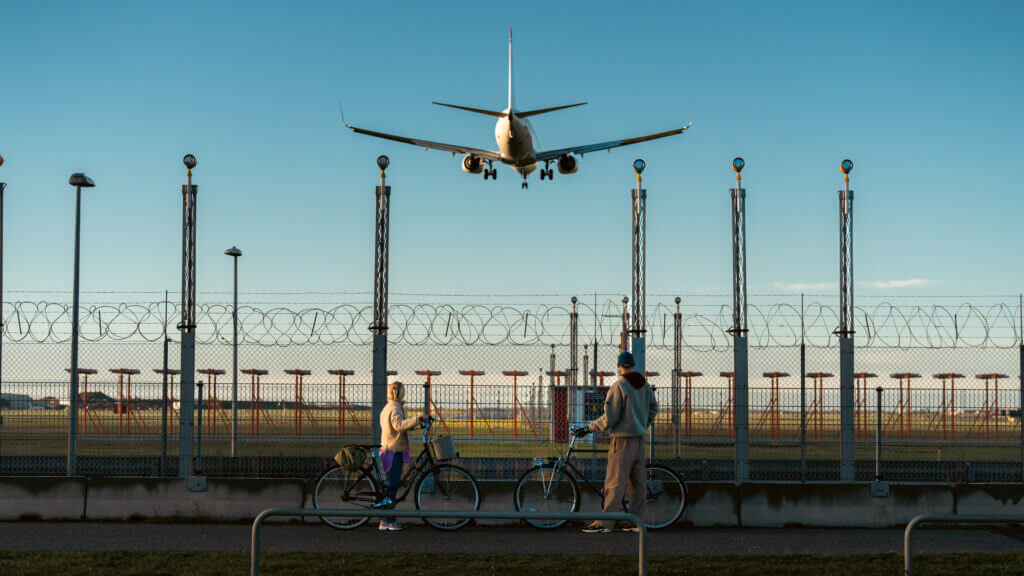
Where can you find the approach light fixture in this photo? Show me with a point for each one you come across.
(738, 164)
(639, 165)
(1, 160)
(382, 162)
(190, 161)
(846, 166)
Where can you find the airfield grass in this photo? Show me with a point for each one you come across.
(103, 433)
(304, 564)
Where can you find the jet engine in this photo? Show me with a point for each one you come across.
(472, 164)
(568, 165)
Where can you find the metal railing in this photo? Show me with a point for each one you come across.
(908, 548)
(254, 565)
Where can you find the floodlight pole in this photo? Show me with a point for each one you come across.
(739, 324)
(639, 283)
(379, 328)
(79, 181)
(187, 326)
(235, 253)
(845, 330)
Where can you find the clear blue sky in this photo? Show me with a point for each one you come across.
(924, 97)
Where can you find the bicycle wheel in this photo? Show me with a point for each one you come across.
(339, 488)
(666, 498)
(449, 488)
(545, 489)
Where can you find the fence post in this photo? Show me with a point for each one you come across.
(1020, 381)
(803, 395)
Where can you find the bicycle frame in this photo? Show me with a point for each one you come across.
(424, 462)
(565, 462)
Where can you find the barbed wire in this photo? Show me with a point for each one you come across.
(704, 326)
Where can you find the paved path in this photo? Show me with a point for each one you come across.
(491, 539)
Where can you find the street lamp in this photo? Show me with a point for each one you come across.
(79, 181)
(234, 252)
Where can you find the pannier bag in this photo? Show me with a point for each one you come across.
(351, 457)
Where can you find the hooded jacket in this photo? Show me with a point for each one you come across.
(629, 408)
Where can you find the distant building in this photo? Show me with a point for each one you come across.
(21, 402)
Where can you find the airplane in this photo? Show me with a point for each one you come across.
(515, 137)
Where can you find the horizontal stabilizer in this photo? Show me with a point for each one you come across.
(476, 110)
(546, 110)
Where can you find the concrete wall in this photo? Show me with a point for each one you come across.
(709, 504)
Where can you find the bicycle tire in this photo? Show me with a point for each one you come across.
(535, 477)
(447, 487)
(337, 487)
(666, 497)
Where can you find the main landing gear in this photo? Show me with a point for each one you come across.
(490, 172)
(525, 184)
(546, 172)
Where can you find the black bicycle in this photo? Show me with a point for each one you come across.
(552, 485)
(436, 484)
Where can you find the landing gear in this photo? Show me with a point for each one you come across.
(525, 184)
(546, 172)
(490, 172)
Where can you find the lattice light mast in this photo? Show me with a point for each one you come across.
(739, 323)
(379, 327)
(574, 370)
(845, 330)
(187, 326)
(677, 368)
(639, 268)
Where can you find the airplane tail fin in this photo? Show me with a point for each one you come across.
(546, 110)
(511, 91)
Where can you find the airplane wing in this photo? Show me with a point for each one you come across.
(427, 144)
(581, 150)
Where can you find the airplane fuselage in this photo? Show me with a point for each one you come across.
(515, 142)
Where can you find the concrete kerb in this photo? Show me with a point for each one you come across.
(839, 505)
(43, 498)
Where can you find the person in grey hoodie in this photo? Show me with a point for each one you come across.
(629, 408)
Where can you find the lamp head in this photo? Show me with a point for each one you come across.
(190, 161)
(678, 299)
(233, 251)
(639, 165)
(1, 160)
(846, 166)
(382, 162)
(79, 180)
(625, 299)
(738, 164)
(574, 300)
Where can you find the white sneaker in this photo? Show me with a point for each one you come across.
(396, 525)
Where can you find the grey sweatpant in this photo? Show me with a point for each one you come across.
(627, 469)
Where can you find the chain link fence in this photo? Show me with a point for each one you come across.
(502, 384)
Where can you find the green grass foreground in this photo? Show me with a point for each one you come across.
(304, 564)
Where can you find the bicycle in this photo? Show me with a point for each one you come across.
(437, 485)
(552, 486)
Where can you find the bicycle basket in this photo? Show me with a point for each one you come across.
(443, 447)
(351, 457)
